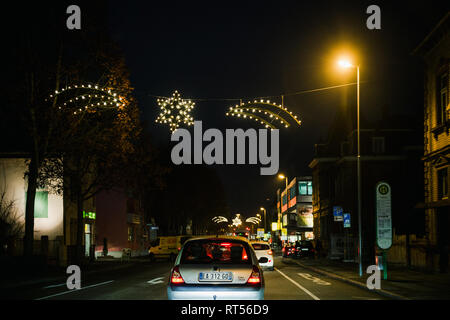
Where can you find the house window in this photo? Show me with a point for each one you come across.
(378, 145)
(442, 99)
(442, 176)
(40, 204)
(305, 188)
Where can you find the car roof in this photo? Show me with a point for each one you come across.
(260, 242)
(218, 237)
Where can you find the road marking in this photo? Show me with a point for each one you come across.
(55, 285)
(304, 289)
(156, 281)
(316, 280)
(70, 291)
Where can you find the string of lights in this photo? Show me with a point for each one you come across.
(175, 111)
(93, 97)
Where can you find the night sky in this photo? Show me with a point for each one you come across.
(257, 49)
(234, 50)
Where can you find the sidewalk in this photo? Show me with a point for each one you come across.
(401, 283)
(17, 275)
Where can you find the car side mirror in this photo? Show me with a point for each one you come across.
(263, 260)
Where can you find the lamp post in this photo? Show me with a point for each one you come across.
(265, 224)
(281, 177)
(347, 64)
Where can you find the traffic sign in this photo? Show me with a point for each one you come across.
(383, 215)
(347, 220)
(337, 213)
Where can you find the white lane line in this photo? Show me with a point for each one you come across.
(55, 285)
(307, 276)
(156, 280)
(304, 289)
(75, 290)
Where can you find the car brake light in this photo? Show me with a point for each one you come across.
(255, 277)
(225, 244)
(176, 277)
(269, 252)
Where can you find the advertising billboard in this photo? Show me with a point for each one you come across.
(305, 217)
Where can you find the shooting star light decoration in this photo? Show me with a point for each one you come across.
(86, 97)
(266, 112)
(175, 111)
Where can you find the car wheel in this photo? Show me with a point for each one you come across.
(152, 257)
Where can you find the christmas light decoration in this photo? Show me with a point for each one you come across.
(175, 111)
(264, 111)
(86, 97)
(219, 219)
(254, 220)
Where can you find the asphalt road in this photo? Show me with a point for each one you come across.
(148, 280)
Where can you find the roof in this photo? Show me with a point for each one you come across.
(430, 41)
(218, 237)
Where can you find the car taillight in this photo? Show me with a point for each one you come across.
(179, 249)
(176, 277)
(283, 249)
(269, 252)
(255, 277)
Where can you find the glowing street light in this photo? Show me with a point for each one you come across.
(265, 220)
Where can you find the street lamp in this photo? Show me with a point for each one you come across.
(264, 209)
(343, 63)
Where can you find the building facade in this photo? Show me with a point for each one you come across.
(55, 215)
(120, 220)
(390, 152)
(295, 205)
(435, 51)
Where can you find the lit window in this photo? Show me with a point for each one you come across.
(40, 204)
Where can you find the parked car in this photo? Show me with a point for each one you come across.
(217, 268)
(262, 249)
(166, 247)
(304, 248)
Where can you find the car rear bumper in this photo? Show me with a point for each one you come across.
(207, 292)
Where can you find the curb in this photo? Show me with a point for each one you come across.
(382, 292)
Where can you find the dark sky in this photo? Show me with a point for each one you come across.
(249, 49)
(221, 49)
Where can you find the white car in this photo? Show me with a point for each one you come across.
(262, 249)
(217, 268)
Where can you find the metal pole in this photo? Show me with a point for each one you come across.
(359, 177)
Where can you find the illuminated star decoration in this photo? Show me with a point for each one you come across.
(237, 221)
(265, 112)
(86, 97)
(175, 111)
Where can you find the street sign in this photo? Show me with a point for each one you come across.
(337, 213)
(260, 232)
(274, 226)
(383, 215)
(347, 220)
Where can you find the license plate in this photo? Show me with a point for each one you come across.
(305, 249)
(215, 276)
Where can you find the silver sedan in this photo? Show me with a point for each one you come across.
(216, 268)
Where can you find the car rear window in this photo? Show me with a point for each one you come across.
(215, 251)
(260, 246)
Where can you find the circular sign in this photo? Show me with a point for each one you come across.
(383, 189)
